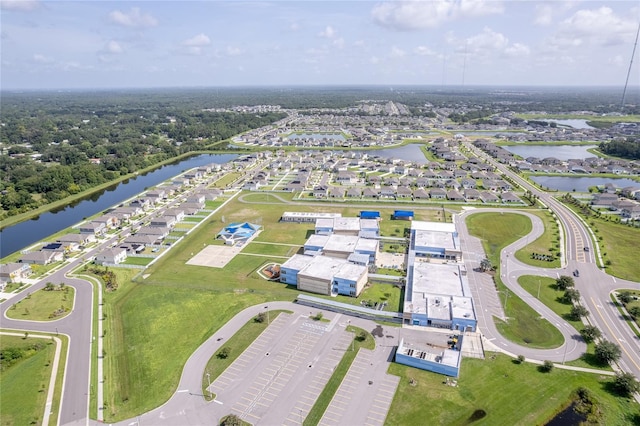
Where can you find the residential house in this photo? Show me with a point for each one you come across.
(93, 228)
(438, 193)
(14, 272)
(42, 257)
(454, 195)
(489, 197)
(510, 197)
(471, 194)
(112, 256)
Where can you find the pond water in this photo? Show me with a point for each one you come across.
(580, 184)
(567, 417)
(561, 152)
(333, 136)
(410, 152)
(23, 234)
(576, 123)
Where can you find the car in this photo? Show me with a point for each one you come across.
(586, 248)
(576, 273)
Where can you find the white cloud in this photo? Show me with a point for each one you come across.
(113, 47)
(617, 61)
(374, 60)
(19, 5)
(339, 43)
(41, 59)
(423, 51)
(199, 41)
(328, 32)
(487, 40)
(517, 49)
(134, 19)
(544, 15)
(595, 26)
(396, 52)
(234, 51)
(294, 26)
(417, 15)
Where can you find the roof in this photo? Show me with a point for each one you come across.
(433, 226)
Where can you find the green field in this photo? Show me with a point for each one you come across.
(524, 325)
(546, 244)
(548, 294)
(24, 385)
(509, 394)
(44, 305)
(618, 244)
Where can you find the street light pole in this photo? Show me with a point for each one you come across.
(209, 382)
(267, 308)
(506, 298)
(538, 289)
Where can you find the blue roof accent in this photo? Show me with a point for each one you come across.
(403, 213)
(369, 214)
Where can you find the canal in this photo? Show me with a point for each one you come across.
(23, 234)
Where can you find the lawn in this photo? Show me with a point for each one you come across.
(258, 247)
(509, 394)
(553, 299)
(324, 399)
(25, 384)
(44, 305)
(376, 292)
(235, 345)
(524, 326)
(547, 243)
(143, 261)
(618, 244)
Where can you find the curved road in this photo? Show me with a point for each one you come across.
(595, 286)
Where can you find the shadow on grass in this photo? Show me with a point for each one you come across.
(593, 361)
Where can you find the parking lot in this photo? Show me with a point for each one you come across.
(279, 377)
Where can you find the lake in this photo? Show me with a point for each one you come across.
(24, 234)
(410, 152)
(561, 152)
(576, 123)
(580, 184)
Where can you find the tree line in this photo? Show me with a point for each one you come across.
(57, 147)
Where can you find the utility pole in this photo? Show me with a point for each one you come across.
(538, 289)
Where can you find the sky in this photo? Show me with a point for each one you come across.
(122, 44)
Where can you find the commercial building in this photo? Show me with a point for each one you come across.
(437, 292)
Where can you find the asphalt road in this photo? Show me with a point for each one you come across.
(594, 284)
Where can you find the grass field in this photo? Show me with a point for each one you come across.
(553, 299)
(547, 244)
(524, 325)
(25, 384)
(236, 345)
(509, 394)
(618, 243)
(44, 305)
(609, 119)
(323, 401)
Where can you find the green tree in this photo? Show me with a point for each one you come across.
(231, 420)
(590, 333)
(624, 297)
(260, 318)
(626, 384)
(577, 312)
(546, 366)
(634, 311)
(607, 352)
(564, 282)
(571, 295)
(223, 353)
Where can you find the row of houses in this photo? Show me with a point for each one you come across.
(402, 192)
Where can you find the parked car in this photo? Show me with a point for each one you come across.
(586, 248)
(576, 273)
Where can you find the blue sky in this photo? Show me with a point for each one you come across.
(115, 44)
